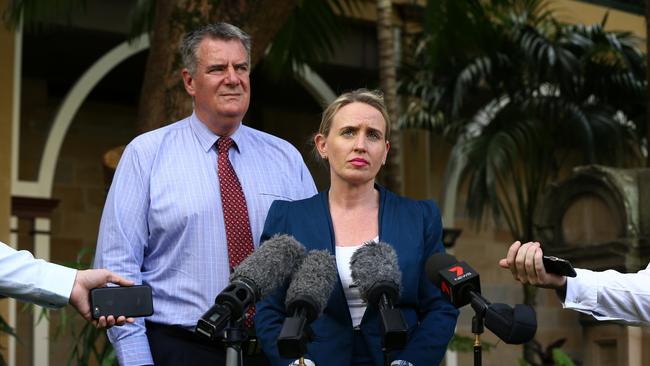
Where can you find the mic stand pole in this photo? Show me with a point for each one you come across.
(480, 306)
(477, 329)
(234, 335)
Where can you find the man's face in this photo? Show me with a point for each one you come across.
(220, 85)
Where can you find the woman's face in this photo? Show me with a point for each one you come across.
(356, 145)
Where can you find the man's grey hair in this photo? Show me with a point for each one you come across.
(221, 31)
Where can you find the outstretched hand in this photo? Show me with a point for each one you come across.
(79, 297)
(526, 264)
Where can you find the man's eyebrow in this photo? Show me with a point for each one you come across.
(216, 64)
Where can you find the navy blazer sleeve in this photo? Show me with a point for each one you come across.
(428, 343)
(270, 311)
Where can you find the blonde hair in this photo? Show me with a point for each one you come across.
(373, 98)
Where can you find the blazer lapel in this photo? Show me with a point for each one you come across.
(337, 305)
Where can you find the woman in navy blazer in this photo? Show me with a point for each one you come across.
(353, 139)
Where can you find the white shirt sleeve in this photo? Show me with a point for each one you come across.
(610, 295)
(34, 280)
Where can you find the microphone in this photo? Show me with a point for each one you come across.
(376, 273)
(306, 297)
(266, 269)
(461, 285)
(457, 280)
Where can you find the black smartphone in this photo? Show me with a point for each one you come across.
(132, 301)
(558, 266)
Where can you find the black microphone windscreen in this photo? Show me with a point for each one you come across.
(313, 282)
(513, 326)
(437, 263)
(376, 263)
(271, 265)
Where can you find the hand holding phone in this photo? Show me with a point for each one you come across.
(133, 301)
(558, 266)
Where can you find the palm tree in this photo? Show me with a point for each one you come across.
(388, 81)
(523, 96)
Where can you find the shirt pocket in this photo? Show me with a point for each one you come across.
(275, 196)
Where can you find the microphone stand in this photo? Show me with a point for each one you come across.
(393, 327)
(477, 329)
(480, 305)
(234, 335)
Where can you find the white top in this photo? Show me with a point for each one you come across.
(610, 295)
(34, 280)
(352, 295)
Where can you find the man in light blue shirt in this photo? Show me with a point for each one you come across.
(163, 222)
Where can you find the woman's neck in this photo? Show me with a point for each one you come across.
(353, 196)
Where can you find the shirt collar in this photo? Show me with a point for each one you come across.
(208, 139)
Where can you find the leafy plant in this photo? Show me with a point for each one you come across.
(523, 96)
(552, 355)
(9, 331)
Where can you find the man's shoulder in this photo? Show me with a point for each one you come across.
(261, 138)
(154, 138)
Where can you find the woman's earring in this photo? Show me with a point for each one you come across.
(324, 156)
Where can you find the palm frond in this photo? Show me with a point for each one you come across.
(34, 13)
(308, 36)
(142, 18)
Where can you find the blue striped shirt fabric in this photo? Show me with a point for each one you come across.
(163, 224)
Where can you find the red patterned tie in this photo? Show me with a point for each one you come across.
(235, 213)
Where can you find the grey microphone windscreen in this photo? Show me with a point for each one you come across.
(313, 282)
(373, 265)
(271, 265)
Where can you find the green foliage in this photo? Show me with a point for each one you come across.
(142, 18)
(34, 12)
(521, 93)
(310, 35)
(6, 329)
(561, 359)
(522, 96)
(552, 355)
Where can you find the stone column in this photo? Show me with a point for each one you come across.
(7, 45)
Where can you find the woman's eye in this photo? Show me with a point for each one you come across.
(373, 135)
(347, 132)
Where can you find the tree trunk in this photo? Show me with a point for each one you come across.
(530, 292)
(163, 98)
(388, 81)
(530, 295)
